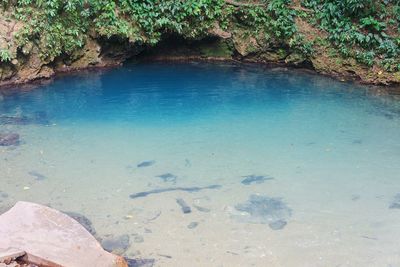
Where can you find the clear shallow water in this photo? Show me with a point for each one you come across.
(332, 150)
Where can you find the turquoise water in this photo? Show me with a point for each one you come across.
(278, 167)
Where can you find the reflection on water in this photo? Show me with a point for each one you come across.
(211, 165)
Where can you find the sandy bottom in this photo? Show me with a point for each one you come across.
(339, 197)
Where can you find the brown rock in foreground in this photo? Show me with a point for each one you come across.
(51, 238)
(10, 254)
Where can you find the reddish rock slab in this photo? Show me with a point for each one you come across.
(10, 254)
(51, 238)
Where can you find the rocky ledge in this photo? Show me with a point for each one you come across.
(234, 44)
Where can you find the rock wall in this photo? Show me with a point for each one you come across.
(237, 44)
(27, 64)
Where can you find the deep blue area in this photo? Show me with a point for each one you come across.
(160, 92)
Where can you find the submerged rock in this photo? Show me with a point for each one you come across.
(162, 190)
(192, 225)
(388, 116)
(396, 202)
(83, 220)
(138, 238)
(9, 139)
(140, 262)
(38, 176)
(168, 177)
(277, 225)
(185, 207)
(357, 142)
(146, 163)
(202, 209)
(116, 244)
(39, 117)
(3, 196)
(14, 120)
(258, 179)
(264, 210)
(3, 209)
(188, 163)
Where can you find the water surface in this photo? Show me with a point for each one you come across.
(213, 165)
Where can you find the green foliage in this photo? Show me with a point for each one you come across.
(58, 25)
(366, 30)
(191, 19)
(5, 55)
(61, 25)
(282, 18)
(275, 18)
(275, 21)
(298, 44)
(372, 24)
(359, 29)
(366, 58)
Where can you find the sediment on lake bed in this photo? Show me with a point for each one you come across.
(288, 33)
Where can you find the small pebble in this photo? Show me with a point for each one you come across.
(38, 176)
(146, 164)
(138, 239)
(277, 225)
(202, 209)
(192, 225)
(116, 244)
(185, 208)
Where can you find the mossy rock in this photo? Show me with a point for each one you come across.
(245, 42)
(273, 55)
(219, 49)
(396, 76)
(295, 59)
(6, 71)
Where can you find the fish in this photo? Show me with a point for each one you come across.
(192, 225)
(146, 163)
(38, 176)
(258, 179)
(167, 177)
(169, 189)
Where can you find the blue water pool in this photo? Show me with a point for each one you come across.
(195, 164)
